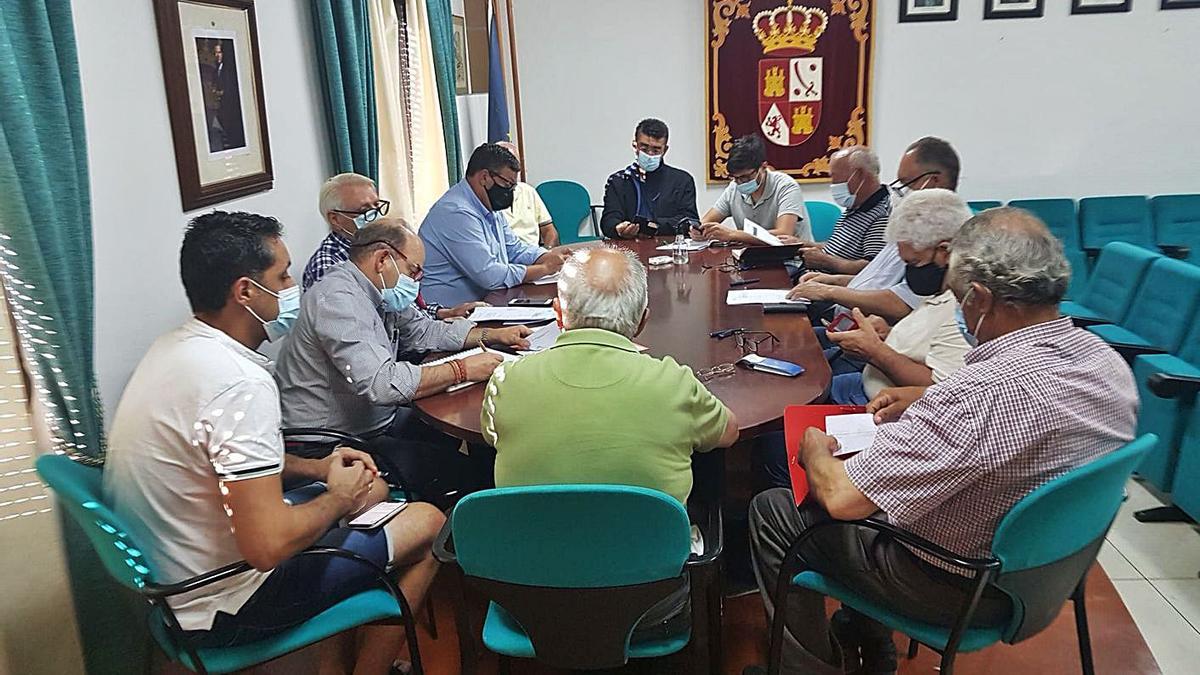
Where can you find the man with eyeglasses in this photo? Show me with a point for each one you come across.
(472, 249)
(348, 202)
(338, 369)
(771, 199)
(648, 197)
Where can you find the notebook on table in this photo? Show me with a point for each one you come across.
(796, 420)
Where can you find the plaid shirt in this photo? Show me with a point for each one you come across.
(1026, 408)
(334, 249)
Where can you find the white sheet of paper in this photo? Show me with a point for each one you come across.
(463, 355)
(761, 233)
(855, 432)
(548, 279)
(511, 314)
(760, 296)
(544, 337)
(688, 244)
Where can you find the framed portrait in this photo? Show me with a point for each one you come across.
(1100, 6)
(462, 84)
(1179, 4)
(928, 10)
(1012, 9)
(215, 99)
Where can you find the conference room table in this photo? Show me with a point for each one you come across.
(687, 302)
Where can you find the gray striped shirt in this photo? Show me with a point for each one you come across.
(858, 234)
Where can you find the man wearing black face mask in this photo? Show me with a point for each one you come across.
(470, 248)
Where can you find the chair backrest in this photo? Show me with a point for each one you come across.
(1106, 219)
(1049, 539)
(1165, 303)
(78, 490)
(983, 205)
(1115, 279)
(569, 204)
(1177, 221)
(824, 215)
(1059, 216)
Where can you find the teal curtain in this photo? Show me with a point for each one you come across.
(46, 268)
(343, 41)
(441, 30)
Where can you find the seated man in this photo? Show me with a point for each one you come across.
(926, 346)
(648, 197)
(1036, 398)
(528, 216)
(472, 250)
(880, 287)
(195, 462)
(772, 199)
(338, 369)
(858, 235)
(646, 416)
(348, 202)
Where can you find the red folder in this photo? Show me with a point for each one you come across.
(796, 420)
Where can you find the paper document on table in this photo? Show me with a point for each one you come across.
(511, 314)
(761, 233)
(543, 338)
(854, 432)
(688, 245)
(462, 355)
(761, 296)
(546, 280)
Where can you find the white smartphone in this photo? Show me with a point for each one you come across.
(376, 515)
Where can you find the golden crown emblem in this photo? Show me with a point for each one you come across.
(790, 28)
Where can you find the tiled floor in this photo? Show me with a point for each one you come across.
(1154, 567)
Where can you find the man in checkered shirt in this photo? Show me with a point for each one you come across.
(1036, 398)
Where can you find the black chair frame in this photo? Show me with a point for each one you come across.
(703, 572)
(985, 571)
(157, 594)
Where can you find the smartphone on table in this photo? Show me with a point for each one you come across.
(531, 302)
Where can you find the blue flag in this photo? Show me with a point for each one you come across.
(498, 128)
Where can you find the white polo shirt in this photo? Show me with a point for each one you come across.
(885, 271)
(200, 409)
(929, 335)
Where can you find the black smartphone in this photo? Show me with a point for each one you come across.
(531, 302)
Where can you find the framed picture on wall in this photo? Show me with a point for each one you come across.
(1012, 9)
(215, 99)
(928, 10)
(1179, 4)
(1100, 6)
(461, 79)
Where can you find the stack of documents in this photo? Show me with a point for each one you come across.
(761, 233)
(854, 433)
(761, 296)
(512, 314)
(546, 280)
(463, 355)
(543, 338)
(688, 245)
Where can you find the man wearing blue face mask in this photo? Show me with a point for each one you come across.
(858, 234)
(338, 369)
(648, 197)
(771, 199)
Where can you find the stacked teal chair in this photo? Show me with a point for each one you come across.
(824, 216)
(570, 569)
(983, 205)
(1186, 492)
(78, 490)
(1059, 216)
(1177, 224)
(569, 204)
(1161, 312)
(1041, 553)
(1114, 281)
(1108, 219)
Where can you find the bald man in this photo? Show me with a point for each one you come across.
(528, 216)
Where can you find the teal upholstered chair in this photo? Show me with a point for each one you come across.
(1115, 279)
(824, 216)
(1177, 223)
(1186, 484)
(983, 205)
(570, 569)
(1107, 219)
(1041, 553)
(569, 204)
(1161, 312)
(78, 490)
(1059, 216)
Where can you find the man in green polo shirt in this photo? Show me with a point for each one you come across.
(591, 409)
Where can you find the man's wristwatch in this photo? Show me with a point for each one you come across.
(485, 335)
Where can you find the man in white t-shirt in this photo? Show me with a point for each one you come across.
(883, 286)
(196, 462)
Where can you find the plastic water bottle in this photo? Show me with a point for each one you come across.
(679, 253)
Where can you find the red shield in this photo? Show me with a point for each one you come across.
(789, 99)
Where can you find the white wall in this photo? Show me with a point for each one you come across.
(1058, 106)
(136, 212)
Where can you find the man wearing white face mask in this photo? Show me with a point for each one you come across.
(338, 369)
(648, 197)
(858, 235)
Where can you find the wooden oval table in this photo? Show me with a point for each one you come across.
(687, 302)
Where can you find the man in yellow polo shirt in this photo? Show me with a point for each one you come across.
(528, 216)
(592, 409)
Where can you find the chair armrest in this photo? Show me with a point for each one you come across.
(1084, 322)
(1166, 385)
(1131, 352)
(332, 434)
(714, 537)
(443, 545)
(1176, 251)
(906, 537)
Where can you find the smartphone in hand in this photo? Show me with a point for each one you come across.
(841, 323)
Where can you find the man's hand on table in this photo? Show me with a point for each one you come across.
(628, 230)
(512, 336)
(480, 366)
(459, 311)
(810, 290)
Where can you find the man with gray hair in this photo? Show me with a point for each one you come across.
(858, 235)
(1036, 399)
(634, 419)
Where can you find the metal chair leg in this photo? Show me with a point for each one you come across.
(948, 663)
(1081, 629)
(429, 615)
(913, 645)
